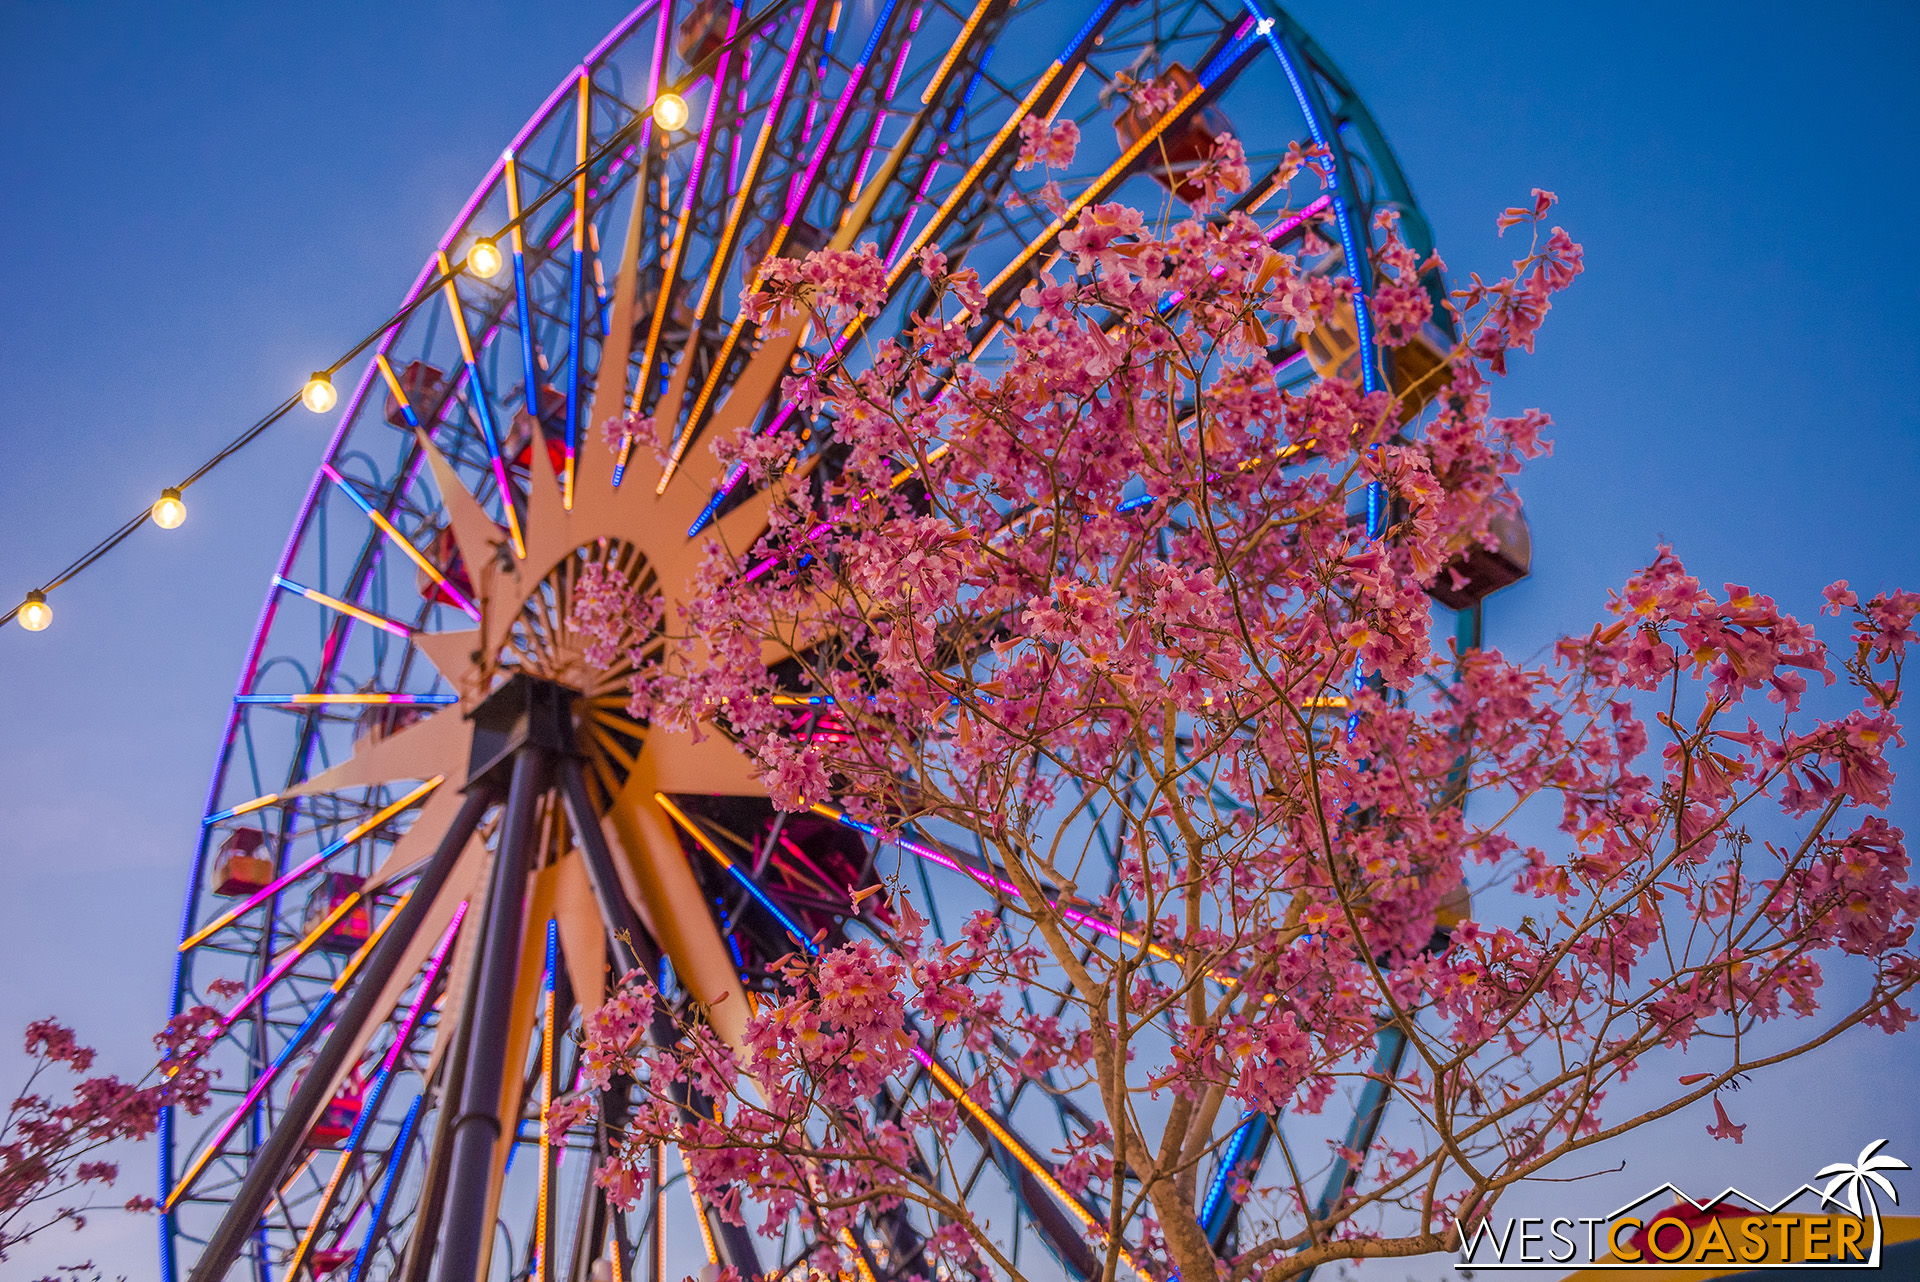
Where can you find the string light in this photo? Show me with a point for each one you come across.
(483, 260)
(670, 112)
(170, 510)
(318, 395)
(36, 614)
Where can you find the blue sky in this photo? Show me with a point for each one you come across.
(206, 201)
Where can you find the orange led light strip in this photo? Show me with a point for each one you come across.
(960, 43)
(699, 1214)
(1035, 1167)
(244, 808)
(546, 1107)
(342, 607)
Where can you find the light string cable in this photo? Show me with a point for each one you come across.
(428, 293)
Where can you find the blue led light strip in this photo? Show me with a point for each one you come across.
(1214, 1207)
(394, 1164)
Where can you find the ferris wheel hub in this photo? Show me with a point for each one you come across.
(525, 711)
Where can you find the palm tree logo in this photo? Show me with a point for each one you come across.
(1858, 1178)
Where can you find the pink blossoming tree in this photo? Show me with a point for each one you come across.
(51, 1162)
(1119, 584)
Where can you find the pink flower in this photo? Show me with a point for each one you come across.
(568, 1111)
(58, 1044)
(1092, 240)
(1724, 1129)
(624, 1183)
(1093, 571)
(1046, 144)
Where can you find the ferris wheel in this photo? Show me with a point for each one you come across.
(433, 831)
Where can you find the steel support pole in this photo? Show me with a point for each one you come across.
(479, 1128)
(271, 1162)
(424, 1234)
(633, 947)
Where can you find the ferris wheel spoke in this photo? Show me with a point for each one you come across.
(996, 880)
(667, 410)
(362, 698)
(292, 956)
(386, 526)
(382, 1206)
(576, 300)
(404, 631)
(667, 278)
(473, 530)
(525, 1025)
(483, 405)
(510, 176)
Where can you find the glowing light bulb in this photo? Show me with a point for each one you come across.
(36, 614)
(318, 395)
(483, 260)
(670, 112)
(170, 510)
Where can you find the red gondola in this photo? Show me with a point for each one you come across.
(330, 1259)
(353, 926)
(444, 553)
(336, 1120)
(1477, 574)
(553, 428)
(241, 869)
(1184, 147)
(424, 386)
(703, 31)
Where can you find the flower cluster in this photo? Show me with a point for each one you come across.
(48, 1148)
(1044, 143)
(1108, 601)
